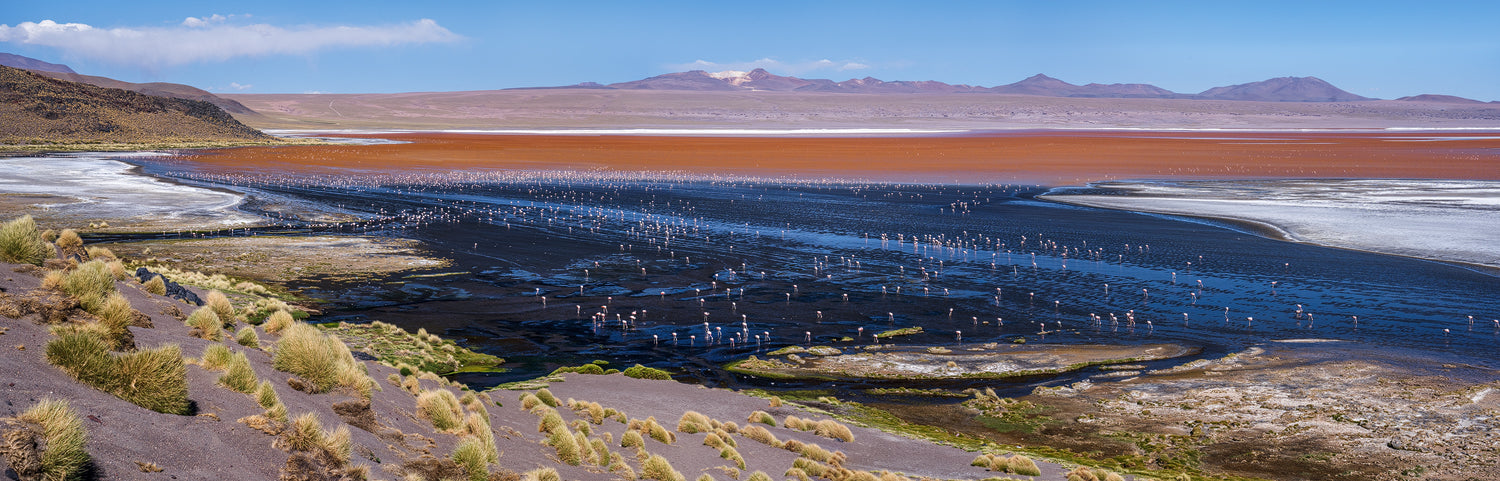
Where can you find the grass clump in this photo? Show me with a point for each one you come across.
(418, 351)
(90, 283)
(276, 322)
(205, 324)
(546, 397)
(545, 474)
(566, 445)
(247, 337)
(651, 428)
(642, 372)
(763, 418)
(52, 425)
(320, 359)
(1016, 464)
(442, 408)
(829, 428)
(760, 435)
(758, 476)
(658, 468)
(20, 243)
(693, 422)
(216, 357)
(584, 369)
(1085, 474)
(222, 307)
(156, 286)
(241, 377)
(632, 439)
(154, 379)
(471, 455)
(115, 315)
(306, 434)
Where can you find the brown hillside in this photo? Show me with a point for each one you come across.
(36, 109)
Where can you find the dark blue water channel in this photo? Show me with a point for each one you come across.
(550, 270)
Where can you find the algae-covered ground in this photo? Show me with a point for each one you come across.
(992, 361)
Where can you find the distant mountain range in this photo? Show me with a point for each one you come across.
(1281, 89)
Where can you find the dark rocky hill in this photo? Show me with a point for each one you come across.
(36, 109)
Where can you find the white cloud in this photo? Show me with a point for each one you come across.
(773, 66)
(237, 86)
(212, 38)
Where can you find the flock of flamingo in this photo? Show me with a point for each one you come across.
(761, 263)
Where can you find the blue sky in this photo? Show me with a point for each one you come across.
(1375, 49)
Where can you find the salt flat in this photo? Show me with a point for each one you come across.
(92, 187)
(1445, 220)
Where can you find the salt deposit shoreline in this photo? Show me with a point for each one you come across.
(1445, 221)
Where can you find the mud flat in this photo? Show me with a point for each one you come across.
(988, 361)
(282, 260)
(1285, 410)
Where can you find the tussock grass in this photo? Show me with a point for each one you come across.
(477, 425)
(1016, 464)
(585, 450)
(69, 243)
(529, 400)
(247, 337)
(205, 324)
(321, 359)
(213, 281)
(216, 357)
(222, 307)
(278, 321)
(651, 428)
(617, 465)
(115, 315)
(693, 422)
(90, 283)
(440, 407)
(154, 379)
(306, 434)
(758, 476)
(810, 467)
(763, 418)
(265, 395)
(104, 253)
(65, 456)
(241, 377)
(470, 454)
(20, 243)
(658, 468)
(829, 428)
(544, 474)
(797, 474)
(632, 439)
(642, 372)
(156, 286)
(550, 422)
(794, 422)
(546, 397)
(567, 447)
(760, 435)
